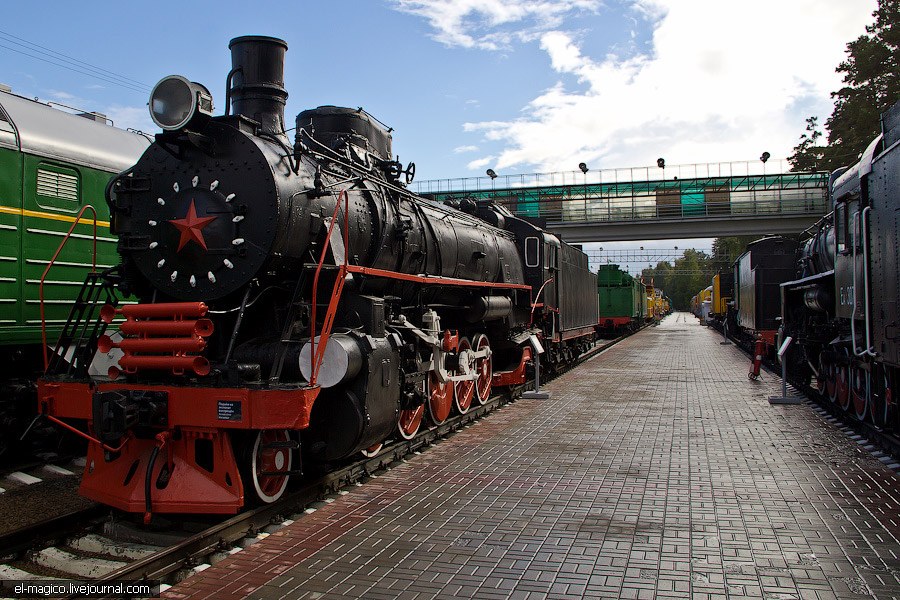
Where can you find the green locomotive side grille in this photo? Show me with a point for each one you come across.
(57, 185)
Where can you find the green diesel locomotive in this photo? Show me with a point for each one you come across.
(52, 164)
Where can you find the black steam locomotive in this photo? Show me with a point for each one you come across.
(293, 299)
(842, 309)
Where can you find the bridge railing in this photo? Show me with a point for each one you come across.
(603, 176)
(709, 197)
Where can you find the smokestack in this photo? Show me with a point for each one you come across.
(257, 81)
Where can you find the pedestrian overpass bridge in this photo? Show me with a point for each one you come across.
(649, 203)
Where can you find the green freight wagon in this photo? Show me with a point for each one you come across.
(623, 300)
(52, 164)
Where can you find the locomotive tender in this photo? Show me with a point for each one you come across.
(295, 300)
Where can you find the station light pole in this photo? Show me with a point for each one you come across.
(584, 170)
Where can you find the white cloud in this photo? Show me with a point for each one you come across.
(464, 149)
(491, 24)
(480, 162)
(721, 81)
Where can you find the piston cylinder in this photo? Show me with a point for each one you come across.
(817, 299)
(489, 308)
(342, 361)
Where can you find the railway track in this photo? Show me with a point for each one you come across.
(885, 446)
(888, 443)
(117, 550)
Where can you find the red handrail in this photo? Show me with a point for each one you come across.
(93, 440)
(316, 356)
(50, 264)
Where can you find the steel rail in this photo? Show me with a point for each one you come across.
(60, 526)
(194, 549)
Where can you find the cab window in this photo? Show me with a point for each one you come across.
(841, 230)
(532, 252)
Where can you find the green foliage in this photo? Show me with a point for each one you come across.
(808, 154)
(695, 269)
(871, 77)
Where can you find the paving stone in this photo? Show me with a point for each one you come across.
(655, 470)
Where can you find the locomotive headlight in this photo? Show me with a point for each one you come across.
(175, 101)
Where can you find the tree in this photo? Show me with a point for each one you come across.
(694, 270)
(690, 274)
(871, 77)
(808, 154)
(725, 250)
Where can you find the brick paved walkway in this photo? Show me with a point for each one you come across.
(657, 470)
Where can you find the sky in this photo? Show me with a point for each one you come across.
(519, 86)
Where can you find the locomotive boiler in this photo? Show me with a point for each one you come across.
(279, 299)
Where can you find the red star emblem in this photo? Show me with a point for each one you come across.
(190, 227)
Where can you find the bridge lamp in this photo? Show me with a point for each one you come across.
(583, 167)
(764, 157)
(493, 175)
(661, 163)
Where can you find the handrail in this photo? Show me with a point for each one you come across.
(50, 264)
(534, 302)
(854, 233)
(870, 350)
(89, 438)
(316, 356)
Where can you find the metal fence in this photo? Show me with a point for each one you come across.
(736, 194)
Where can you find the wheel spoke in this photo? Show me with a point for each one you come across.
(464, 390)
(842, 384)
(860, 391)
(270, 457)
(440, 399)
(831, 381)
(409, 421)
(484, 368)
(372, 450)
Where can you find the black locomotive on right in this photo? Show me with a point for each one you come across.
(842, 310)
